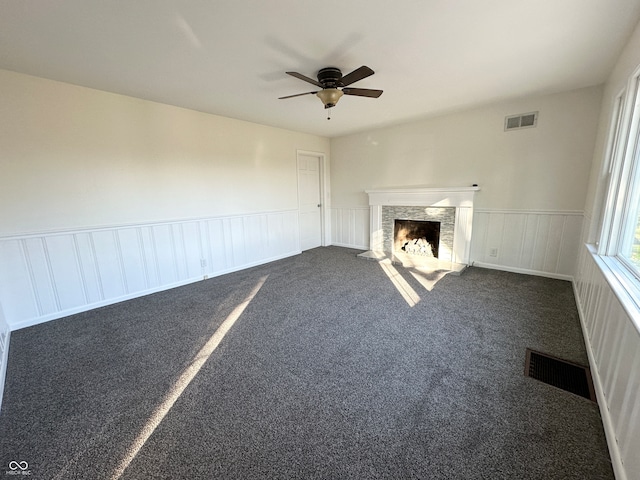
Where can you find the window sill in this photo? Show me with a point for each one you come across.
(625, 288)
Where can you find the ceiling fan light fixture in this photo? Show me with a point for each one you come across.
(334, 85)
(329, 96)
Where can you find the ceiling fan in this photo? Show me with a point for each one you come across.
(334, 85)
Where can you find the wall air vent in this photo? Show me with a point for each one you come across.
(522, 120)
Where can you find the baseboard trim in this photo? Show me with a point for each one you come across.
(348, 245)
(84, 308)
(3, 365)
(607, 423)
(526, 271)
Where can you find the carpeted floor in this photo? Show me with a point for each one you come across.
(327, 373)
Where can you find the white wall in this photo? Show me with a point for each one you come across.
(542, 168)
(76, 157)
(105, 197)
(528, 172)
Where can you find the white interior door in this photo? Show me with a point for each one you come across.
(309, 201)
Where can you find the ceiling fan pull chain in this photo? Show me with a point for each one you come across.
(328, 114)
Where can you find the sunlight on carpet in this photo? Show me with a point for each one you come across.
(429, 280)
(403, 287)
(183, 382)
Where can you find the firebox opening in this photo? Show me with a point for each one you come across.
(416, 237)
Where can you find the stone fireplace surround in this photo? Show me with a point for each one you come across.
(445, 216)
(460, 198)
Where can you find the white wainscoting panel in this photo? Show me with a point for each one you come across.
(613, 344)
(540, 243)
(350, 227)
(54, 274)
(533, 242)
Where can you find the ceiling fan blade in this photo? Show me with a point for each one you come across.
(306, 79)
(357, 74)
(362, 92)
(297, 95)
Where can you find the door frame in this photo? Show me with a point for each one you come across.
(325, 211)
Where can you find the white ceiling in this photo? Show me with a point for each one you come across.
(229, 57)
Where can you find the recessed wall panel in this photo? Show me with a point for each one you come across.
(16, 288)
(67, 278)
(41, 276)
(166, 261)
(108, 263)
(131, 255)
(88, 268)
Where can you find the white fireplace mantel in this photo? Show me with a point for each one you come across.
(427, 197)
(461, 198)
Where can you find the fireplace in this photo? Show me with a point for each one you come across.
(416, 237)
(444, 216)
(451, 207)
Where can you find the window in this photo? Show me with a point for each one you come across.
(610, 157)
(620, 226)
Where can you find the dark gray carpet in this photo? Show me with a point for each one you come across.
(328, 373)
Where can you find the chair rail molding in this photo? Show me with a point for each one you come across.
(537, 242)
(44, 276)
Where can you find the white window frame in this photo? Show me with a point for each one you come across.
(622, 164)
(609, 172)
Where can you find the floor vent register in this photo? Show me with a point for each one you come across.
(559, 373)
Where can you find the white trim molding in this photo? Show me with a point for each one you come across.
(532, 242)
(51, 275)
(608, 316)
(5, 335)
(350, 227)
(535, 242)
(325, 188)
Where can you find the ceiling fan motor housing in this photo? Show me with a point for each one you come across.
(330, 77)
